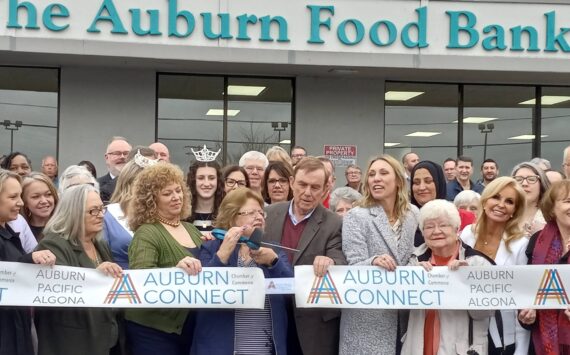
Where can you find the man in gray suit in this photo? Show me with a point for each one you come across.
(304, 224)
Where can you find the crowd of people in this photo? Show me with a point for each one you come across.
(147, 213)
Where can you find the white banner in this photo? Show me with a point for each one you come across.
(62, 286)
(495, 287)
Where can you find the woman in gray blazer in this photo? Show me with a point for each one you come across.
(379, 232)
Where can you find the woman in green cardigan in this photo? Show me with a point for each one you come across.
(160, 202)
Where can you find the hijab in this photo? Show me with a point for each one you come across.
(437, 175)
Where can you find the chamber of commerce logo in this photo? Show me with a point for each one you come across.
(324, 288)
(123, 288)
(551, 287)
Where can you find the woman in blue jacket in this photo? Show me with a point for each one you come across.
(243, 331)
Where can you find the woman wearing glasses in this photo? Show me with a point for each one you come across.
(243, 331)
(160, 203)
(497, 234)
(276, 183)
(73, 234)
(234, 177)
(534, 183)
(207, 190)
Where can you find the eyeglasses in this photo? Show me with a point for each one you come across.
(298, 155)
(250, 169)
(353, 172)
(96, 211)
(118, 153)
(532, 179)
(431, 227)
(253, 212)
(281, 181)
(232, 182)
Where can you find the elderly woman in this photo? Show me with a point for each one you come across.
(468, 200)
(551, 328)
(73, 234)
(247, 331)
(76, 175)
(498, 235)
(115, 225)
(379, 232)
(254, 163)
(160, 203)
(445, 331)
(17, 162)
(234, 177)
(534, 182)
(207, 190)
(276, 183)
(16, 323)
(40, 199)
(343, 199)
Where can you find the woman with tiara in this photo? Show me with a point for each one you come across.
(206, 189)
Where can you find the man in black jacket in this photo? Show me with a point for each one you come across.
(115, 158)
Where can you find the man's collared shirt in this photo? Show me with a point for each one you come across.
(292, 215)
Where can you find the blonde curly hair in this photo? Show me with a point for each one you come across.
(147, 186)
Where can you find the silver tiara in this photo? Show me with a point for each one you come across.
(143, 161)
(205, 155)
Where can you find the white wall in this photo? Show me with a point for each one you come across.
(340, 111)
(98, 103)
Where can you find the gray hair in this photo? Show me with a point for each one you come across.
(76, 175)
(440, 208)
(68, 220)
(542, 161)
(544, 182)
(465, 197)
(345, 193)
(253, 155)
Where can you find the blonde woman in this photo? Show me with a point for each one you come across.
(40, 199)
(498, 235)
(378, 232)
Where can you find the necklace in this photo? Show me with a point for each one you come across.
(174, 224)
(93, 250)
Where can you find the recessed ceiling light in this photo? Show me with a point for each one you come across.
(220, 112)
(477, 119)
(343, 71)
(423, 134)
(391, 144)
(547, 100)
(527, 137)
(401, 95)
(285, 141)
(245, 90)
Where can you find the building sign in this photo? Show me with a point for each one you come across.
(341, 155)
(346, 26)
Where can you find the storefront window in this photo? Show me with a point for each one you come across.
(29, 112)
(555, 124)
(185, 119)
(260, 119)
(497, 124)
(192, 112)
(421, 118)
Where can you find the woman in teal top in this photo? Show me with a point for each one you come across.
(161, 240)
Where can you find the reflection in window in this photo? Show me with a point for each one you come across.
(498, 125)
(260, 115)
(191, 113)
(420, 118)
(555, 124)
(28, 112)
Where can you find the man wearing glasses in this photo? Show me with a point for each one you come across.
(115, 158)
(297, 153)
